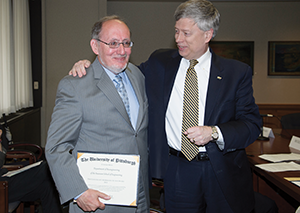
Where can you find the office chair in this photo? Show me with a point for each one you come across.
(16, 159)
(6, 207)
(157, 202)
(290, 121)
(155, 211)
(34, 150)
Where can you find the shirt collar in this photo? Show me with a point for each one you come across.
(202, 58)
(112, 75)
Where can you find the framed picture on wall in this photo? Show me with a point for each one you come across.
(284, 58)
(240, 50)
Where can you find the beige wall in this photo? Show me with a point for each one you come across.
(67, 25)
(263, 22)
(66, 35)
(152, 27)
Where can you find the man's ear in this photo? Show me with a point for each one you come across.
(209, 35)
(94, 46)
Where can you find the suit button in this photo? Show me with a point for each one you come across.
(135, 135)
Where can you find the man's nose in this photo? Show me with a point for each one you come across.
(178, 37)
(121, 48)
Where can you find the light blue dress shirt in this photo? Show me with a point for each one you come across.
(133, 101)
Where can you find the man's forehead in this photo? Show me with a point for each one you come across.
(115, 28)
(186, 24)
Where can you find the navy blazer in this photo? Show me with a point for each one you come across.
(229, 104)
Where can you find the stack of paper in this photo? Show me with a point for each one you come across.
(14, 172)
(280, 157)
(294, 180)
(278, 165)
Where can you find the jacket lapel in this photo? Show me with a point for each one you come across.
(213, 90)
(138, 94)
(108, 88)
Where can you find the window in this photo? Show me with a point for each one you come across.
(15, 56)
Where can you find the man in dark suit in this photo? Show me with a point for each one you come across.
(31, 185)
(218, 179)
(228, 121)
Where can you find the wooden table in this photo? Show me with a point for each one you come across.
(278, 145)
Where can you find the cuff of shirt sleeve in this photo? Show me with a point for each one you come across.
(220, 142)
(75, 198)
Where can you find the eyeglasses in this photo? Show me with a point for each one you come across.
(114, 44)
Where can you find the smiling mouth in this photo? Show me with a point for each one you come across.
(123, 57)
(181, 47)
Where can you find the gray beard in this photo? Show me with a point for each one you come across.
(114, 69)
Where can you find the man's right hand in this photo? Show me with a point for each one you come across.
(79, 68)
(89, 200)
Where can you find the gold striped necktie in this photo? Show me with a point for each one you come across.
(190, 115)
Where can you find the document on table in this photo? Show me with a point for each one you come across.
(14, 172)
(294, 180)
(279, 167)
(113, 174)
(280, 157)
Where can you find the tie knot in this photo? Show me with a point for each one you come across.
(193, 63)
(119, 78)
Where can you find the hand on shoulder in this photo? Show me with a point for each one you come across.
(79, 68)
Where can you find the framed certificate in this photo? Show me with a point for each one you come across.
(113, 174)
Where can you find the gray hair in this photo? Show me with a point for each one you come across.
(96, 30)
(203, 12)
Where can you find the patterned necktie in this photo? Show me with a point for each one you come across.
(123, 93)
(190, 110)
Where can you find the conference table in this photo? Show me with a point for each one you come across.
(279, 144)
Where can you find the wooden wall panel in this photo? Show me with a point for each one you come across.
(277, 110)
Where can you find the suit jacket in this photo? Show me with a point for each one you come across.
(89, 115)
(229, 105)
(2, 161)
(4, 143)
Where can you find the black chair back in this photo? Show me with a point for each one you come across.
(290, 121)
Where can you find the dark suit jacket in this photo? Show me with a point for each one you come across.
(4, 146)
(229, 105)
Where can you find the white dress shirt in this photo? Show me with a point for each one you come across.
(175, 105)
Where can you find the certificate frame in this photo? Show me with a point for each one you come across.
(116, 175)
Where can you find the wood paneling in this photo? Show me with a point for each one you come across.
(281, 199)
(277, 110)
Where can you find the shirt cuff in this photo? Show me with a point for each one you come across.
(75, 198)
(220, 142)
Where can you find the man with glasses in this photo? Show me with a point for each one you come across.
(104, 112)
